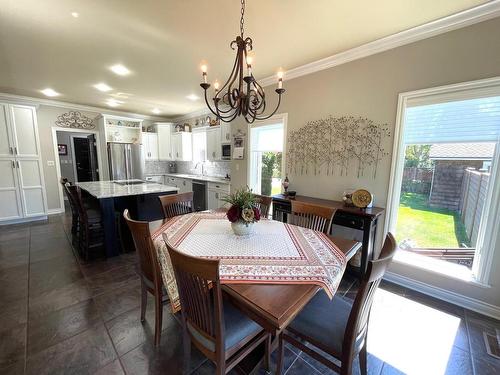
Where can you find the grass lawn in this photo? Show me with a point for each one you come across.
(428, 227)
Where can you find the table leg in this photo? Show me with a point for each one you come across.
(111, 241)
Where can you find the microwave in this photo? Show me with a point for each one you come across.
(226, 152)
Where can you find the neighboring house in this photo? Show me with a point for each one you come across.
(451, 160)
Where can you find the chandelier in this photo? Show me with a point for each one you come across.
(241, 95)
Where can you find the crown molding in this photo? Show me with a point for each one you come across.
(190, 115)
(80, 107)
(455, 21)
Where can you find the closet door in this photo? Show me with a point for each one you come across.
(10, 203)
(31, 187)
(6, 148)
(23, 120)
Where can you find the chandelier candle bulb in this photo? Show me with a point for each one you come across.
(204, 72)
(280, 79)
(216, 87)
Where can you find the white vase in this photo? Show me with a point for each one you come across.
(240, 228)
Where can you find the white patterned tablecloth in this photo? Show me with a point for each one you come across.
(274, 253)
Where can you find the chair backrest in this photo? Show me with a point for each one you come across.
(310, 216)
(176, 204)
(149, 267)
(76, 202)
(358, 318)
(263, 204)
(200, 296)
(63, 180)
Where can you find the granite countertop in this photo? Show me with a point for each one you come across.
(221, 180)
(109, 189)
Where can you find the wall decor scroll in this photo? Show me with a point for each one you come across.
(75, 120)
(337, 145)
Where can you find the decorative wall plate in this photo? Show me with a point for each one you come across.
(361, 198)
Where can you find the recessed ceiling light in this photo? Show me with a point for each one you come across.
(120, 69)
(75, 14)
(49, 92)
(156, 111)
(113, 102)
(103, 87)
(193, 97)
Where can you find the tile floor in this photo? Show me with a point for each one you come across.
(61, 316)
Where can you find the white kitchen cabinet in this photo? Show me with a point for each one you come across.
(225, 132)
(150, 146)
(214, 144)
(172, 181)
(199, 145)
(217, 191)
(185, 185)
(22, 188)
(182, 146)
(164, 130)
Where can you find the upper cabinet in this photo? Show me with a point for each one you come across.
(225, 132)
(214, 143)
(121, 129)
(164, 131)
(150, 146)
(182, 146)
(199, 145)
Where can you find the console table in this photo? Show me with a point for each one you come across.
(363, 219)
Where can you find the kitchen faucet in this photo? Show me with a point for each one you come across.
(202, 167)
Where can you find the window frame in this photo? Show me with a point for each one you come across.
(278, 118)
(482, 265)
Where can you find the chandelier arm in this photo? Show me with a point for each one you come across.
(229, 81)
(273, 112)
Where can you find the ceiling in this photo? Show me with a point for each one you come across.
(162, 42)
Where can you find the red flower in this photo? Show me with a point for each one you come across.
(233, 214)
(256, 213)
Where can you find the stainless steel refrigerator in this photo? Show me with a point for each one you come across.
(126, 161)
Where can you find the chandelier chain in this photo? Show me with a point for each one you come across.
(242, 20)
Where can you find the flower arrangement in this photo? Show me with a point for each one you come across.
(243, 206)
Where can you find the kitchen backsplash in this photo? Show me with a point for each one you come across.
(215, 168)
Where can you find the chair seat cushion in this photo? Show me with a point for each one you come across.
(237, 327)
(324, 320)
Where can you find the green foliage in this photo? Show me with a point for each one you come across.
(271, 167)
(242, 198)
(418, 156)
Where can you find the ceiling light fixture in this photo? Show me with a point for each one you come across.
(120, 69)
(241, 95)
(49, 92)
(75, 14)
(103, 87)
(113, 102)
(156, 111)
(192, 97)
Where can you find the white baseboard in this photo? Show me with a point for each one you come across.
(55, 211)
(23, 220)
(445, 295)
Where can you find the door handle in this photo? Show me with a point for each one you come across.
(15, 150)
(17, 164)
(11, 151)
(13, 164)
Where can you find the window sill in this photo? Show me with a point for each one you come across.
(440, 267)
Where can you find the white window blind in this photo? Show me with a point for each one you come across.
(267, 138)
(473, 120)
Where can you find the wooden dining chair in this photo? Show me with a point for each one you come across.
(149, 271)
(335, 326)
(176, 204)
(310, 216)
(90, 229)
(263, 204)
(74, 212)
(217, 328)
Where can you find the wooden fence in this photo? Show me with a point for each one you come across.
(417, 180)
(473, 195)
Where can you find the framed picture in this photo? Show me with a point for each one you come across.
(63, 149)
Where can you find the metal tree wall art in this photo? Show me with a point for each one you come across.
(74, 119)
(337, 145)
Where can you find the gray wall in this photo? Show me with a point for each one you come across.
(369, 87)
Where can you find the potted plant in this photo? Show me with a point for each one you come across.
(243, 212)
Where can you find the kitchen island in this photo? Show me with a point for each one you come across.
(140, 198)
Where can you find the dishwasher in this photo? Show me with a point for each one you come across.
(199, 195)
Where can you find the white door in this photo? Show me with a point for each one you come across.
(25, 133)
(165, 142)
(31, 187)
(6, 148)
(10, 202)
(213, 144)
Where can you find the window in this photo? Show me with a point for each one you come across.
(444, 189)
(266, 156)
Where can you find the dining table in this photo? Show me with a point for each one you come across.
(273, 303)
